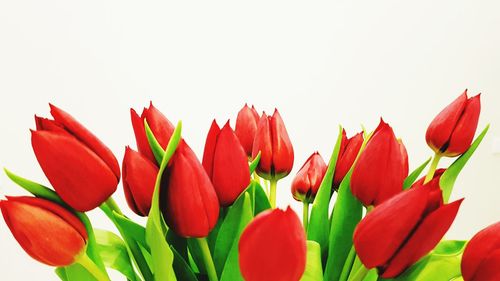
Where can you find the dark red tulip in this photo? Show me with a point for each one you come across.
(481, 258)
(306, 183)
(226, 163)
(400, 231)
(349, 149)
(82, 170)
(139, 178)
(273, 247)
(381, 169)
(49, 233)
(272, 141)
(160, 126)
(452, 130)
(188, 199)
(246, 127)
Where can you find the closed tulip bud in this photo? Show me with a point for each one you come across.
(400, 231)
(481, 258)
(160, 126)
(276, 150)
(306, 183)
(381, 169)
(226, 163)
(349, 149)
(49, 233)
(246, 127)
(452, 130)
(82, 170)
(139, 178)
(273, 247)
(188, 199)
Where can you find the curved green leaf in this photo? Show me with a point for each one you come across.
(153, 143)
(182, 269)
(135, 231)
(314, 267)
(254, 163)
(415, 174)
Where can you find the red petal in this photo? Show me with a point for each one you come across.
(140, 136)
(488, 270)
(86, 137)
(346, 157)
(246, 127)
(79, 176)
(159, 124)
(208, 153)
(273, 247)
(281, 147)
(464, 131)
(262, 143)
(480, 246)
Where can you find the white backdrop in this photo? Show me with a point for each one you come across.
(320, 63)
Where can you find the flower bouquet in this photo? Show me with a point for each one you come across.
(217, 219)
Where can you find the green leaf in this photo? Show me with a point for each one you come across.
(133, 230)
(74, 272)
(237, 218)
(260, 201)
(318, 228)
(114, 253)
(314, 269)
(162, 255)
(182, 269)
(449, 177)
(415, 174)
(154, 144)
(254, 163)
(372, 275)
(442, 264)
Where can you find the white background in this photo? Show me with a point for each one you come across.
(320, 63)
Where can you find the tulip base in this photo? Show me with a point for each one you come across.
(272, 192)
(91, 267)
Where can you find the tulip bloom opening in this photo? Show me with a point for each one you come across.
(452, 130)
(481, 258)
(349, 149)
(273, 247)
(82, 170)
(246, 127)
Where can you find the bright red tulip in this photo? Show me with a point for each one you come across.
(481, 259)
(139, 178)
(246, 127)
(226, 163)
(452, 130)
(273, 247)
(306, 183)
(400, 231)
(82, 170)
(349, 149)
(272, 141)
(49, 233)
(160, 126)
(188, 199)
(381, 169)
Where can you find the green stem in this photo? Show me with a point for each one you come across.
(305, 215)
(272, 192)
(207, 258)
(91, 267)
(432, 168)
(360, 274)
(113, 206)
(348, 265)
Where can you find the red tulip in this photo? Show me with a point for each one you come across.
(139, 178)
(274, 144)
(46, 231)
(82, 170)
(381, 168)
(400, 231)
(160, 126)
(226, 163)
(188, 199)
(349, 149)
(306, 183)
(452, 130)
(481, 258)
(273, 247)
(246, 127)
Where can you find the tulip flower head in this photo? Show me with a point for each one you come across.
(188, 199)
(246, 127)
(349, 149)
(381, 169)
(82, 170)
(452, 130)
(160, 126)
(306, 183)
(273, 247)
(481, 258)
(226, 163)
(139, 178)
(400, 231)
(49, 233)
(272, 141)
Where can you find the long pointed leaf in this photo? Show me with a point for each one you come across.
(415, 174)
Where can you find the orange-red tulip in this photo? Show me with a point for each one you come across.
(82, 170)
(481, 259)
(246, 127)
(46, 231)
(349, 149)
(306, 183)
